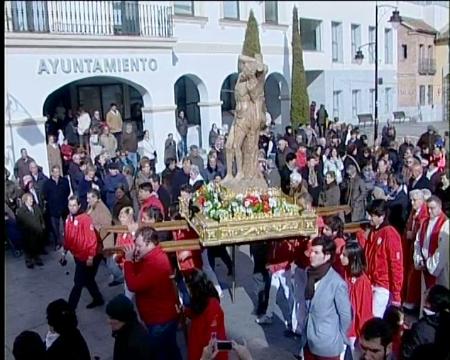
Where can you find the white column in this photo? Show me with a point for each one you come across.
(210, 113)
(159, 121)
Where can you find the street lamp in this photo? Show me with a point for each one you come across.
(395, 21)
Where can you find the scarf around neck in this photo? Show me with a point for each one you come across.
(314, 275)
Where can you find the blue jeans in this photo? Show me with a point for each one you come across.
(184, 148)
(114, 269)
(163, 341)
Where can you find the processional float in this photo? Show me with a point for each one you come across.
(241, 209)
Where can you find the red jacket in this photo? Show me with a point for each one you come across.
(123, 240)
(300, 160)
(152, 201)
(384, 256)
(66, 152)
(360, 293)
(149, 279)
(202, 325)
(187, 260)
(80, 237)
(279, 255)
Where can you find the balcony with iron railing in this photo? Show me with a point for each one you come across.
(427, 66)
(102, 18)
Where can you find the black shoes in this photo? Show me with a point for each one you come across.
(29, 263)
(115, 283)
(95, 303)
(38, 261)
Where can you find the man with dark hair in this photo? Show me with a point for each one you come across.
(181, 177)
(22, 166)
(384, 256)
(56, 191)
(375, 342)
(147, 198)
(81, 240)
(111, 183)
(397, 202)
(28, 345)
(286, 171)
(327, 304)
(148, 274)
(313, 177)
(161, 191)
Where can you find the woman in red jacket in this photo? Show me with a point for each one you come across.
(207, 318)
(353, 262)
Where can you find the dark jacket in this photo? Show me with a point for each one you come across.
(70, 132)
(31, 226)
(398, 211)
(422, 332)
(164, 197)
(83, 188)
(76, 175)
(213, 135)
(314, 191)
(209, 173)
(22, 168)
(422, 183)
(179, 180)
(182, 126)
(331, 196)
(168, 179)
(39, 181)
(132, 342)
(110, 186)
(56, 195)
(69, 346)
(285, 179)
(129, 142)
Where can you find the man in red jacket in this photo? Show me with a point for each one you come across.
(384, 256)
(148, 274)
(148, 198)
(81, 240)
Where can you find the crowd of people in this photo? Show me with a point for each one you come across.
(347, 293)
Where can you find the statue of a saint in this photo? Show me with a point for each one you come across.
(249, 119)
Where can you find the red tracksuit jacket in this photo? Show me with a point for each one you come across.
(80, 237)
(202, 325)
(384, 256)
(152, 201)
(360, 293)
(150, 280)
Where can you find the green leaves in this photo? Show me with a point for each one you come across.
(251, 42)
(299, 94)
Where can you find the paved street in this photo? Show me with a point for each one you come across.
(29, 291)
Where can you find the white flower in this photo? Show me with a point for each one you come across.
(246, 203)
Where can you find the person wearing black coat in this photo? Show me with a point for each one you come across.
(64, 340)
(30, 222)
(418, 180)
(398, 203)
(56, 192)
(285, 173)
(131, 337)
(314, 178)
(161, 191)
(426, 330)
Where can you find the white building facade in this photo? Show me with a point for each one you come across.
(156, 57)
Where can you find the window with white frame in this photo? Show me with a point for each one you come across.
(336, 41)
(356, 39)
(387, 100)
(355, 103)
(231, 10)
(372, 30)
(372, 101)
(422, 95)
(184, 8)
(310, 34)
(388, 56)
(271, 12)
(337, 104)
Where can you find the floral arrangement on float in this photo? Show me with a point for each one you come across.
(220, 204)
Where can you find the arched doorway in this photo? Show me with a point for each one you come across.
(98, 93)
(228, 100)
(189, 92)
(276, 92)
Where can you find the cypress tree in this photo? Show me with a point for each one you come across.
(251, 42)
(299, 94)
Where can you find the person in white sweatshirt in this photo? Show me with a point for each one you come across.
(84, 123)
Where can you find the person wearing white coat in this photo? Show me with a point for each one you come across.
(334, 163)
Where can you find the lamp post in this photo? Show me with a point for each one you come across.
(395, 20)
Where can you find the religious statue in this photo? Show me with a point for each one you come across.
(249, 120)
